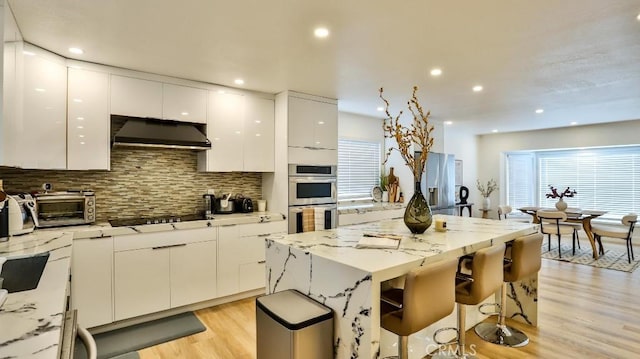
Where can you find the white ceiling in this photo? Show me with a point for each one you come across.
(577, 59)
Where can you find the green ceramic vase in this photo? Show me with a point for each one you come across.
(417, 215)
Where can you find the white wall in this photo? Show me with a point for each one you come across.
(463, 145)
(491, 148)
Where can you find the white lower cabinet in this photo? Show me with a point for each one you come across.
(158, 271)
(141, 282)
(241, 256)
(193, 269)
(91, 281)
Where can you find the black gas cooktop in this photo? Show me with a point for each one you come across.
(125, 222)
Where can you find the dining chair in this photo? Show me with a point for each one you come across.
(551, 222)
(503, 213)
(622, 232)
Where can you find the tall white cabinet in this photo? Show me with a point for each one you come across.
(312, 130)
(88, 141)
(241, 130)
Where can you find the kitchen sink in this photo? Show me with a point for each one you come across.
(23, 272)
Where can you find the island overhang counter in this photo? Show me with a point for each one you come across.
(327, 266)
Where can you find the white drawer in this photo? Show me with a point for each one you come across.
(263, 229)
(161, 239)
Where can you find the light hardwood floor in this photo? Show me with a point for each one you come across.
(584, 312)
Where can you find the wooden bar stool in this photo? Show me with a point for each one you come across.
(524, 260)
(427, 297)
(485, 279)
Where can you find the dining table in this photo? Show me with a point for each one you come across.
(574, 215)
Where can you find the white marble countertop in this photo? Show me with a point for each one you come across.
(31, 321)
(327, 267)
(464, 235)
(368, 206)
(218, 220)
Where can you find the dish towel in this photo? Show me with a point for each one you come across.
(319, 218)
(308, 220)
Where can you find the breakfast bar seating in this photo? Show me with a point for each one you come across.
(329, 267)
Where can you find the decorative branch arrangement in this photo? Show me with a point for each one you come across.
(555, 194)
(491, 186)
(419, 132)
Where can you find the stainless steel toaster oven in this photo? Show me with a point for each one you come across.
(65, 208)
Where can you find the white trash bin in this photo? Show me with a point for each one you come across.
(291, 325)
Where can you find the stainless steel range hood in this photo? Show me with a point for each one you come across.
(148, 132)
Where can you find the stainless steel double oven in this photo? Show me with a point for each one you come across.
(313, 187)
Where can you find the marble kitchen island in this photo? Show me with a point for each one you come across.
(327, 266)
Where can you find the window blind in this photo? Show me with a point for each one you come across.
(358, 168)
(605, 179)
(520, 180)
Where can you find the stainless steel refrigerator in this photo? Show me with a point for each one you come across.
(438, 183)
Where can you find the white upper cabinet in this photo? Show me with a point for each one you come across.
(146, 98)
(11, 126)
(88, 126)
(259, 135)
(182, 103)
(225, 130)
(241, 132)
(43, 143)
(136, 97)
(313, 124)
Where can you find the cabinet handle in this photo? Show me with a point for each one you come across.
(99, 237)
(170, 246)
(262, 262)
(264, 235)
(228, 225)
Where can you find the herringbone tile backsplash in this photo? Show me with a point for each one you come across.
(143, 182)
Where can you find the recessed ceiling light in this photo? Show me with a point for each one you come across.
(540, 110)
(436, 72)
(638, 17)
(40, 90)
(80, 118)
(237, 132)
(81, 136)
(380, 108)
(477, 88)
(448, 122)
(78, 100)
(184, 113)
(29, 53)
(82, 143)
(239, 81)
(317, 142)
(494, 131)
(320, 122)
(321, 32)
(221, 91)
(257, 135)
(80, 127)
(76, 50)
(258, 121)
(573, 123)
